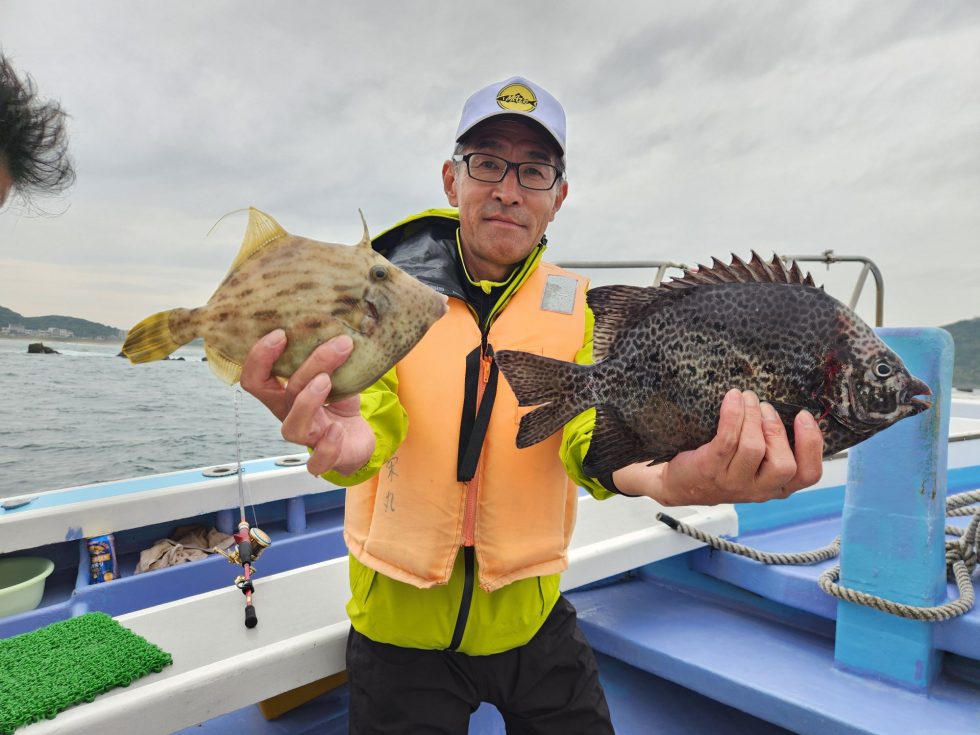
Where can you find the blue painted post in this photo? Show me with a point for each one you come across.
(892, 540)
(226, 521)
(296, 515)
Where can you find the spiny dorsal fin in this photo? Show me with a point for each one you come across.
(756, 270)
(366, 239)
(261, 232)
(761, 269)
(615, 307)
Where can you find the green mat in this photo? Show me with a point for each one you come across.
(49, 670)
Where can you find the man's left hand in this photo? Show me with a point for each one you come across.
(749, 460)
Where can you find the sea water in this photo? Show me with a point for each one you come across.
(87, 415)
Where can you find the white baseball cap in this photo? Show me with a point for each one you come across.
(514, 96)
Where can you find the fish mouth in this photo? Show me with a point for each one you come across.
(917, 388)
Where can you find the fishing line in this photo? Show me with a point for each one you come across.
(238, 460)
(250, 542)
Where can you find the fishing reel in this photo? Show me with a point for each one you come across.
(251, 542)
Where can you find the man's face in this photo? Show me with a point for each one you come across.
(6, 182)
(501, 223)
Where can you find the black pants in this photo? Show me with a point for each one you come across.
(549, 685)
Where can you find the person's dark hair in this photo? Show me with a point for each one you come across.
(33, 137)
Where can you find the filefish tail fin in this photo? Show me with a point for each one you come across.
(562, 386)
(157, 336)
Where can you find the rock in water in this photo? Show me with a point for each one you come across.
(666, 356)
(39, 348)
(312, 290)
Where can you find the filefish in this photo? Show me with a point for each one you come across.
(314, 291)
(665, 356)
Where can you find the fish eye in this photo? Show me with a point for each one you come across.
(379, 272)
(882, 369)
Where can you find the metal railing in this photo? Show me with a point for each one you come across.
(660, 265)
(827, 258)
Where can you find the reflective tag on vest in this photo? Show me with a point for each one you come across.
(559, 294)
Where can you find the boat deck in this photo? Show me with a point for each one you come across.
(760, 665)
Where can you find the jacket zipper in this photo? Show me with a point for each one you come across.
(473, 486)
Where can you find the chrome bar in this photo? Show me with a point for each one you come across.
(828, 258)
(660, 265)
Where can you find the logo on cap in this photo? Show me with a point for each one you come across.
(517, 97)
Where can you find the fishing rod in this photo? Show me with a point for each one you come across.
(250, 541)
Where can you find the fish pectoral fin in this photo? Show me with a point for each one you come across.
(222, 365)
(787, 411)
(615, 445)
(351, 329)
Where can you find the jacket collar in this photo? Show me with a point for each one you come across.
(426, 246)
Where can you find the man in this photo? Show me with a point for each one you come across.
(457, 538)
(33, 140)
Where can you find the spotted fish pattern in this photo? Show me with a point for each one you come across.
(664, 357)
(314, 291)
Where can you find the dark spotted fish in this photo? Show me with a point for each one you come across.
(666, 356)
(312, 290)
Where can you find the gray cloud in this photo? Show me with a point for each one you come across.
(696, 129)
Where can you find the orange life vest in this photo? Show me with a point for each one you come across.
(518, 510)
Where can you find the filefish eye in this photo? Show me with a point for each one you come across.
(882, 369)
(379, 272)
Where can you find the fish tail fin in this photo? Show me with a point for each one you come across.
(157, 336)
(535, 379)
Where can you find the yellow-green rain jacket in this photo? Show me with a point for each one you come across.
(426, 246)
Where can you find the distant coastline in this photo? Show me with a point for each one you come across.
(55, 326)
(46, 338)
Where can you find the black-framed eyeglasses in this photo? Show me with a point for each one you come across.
(492, 169)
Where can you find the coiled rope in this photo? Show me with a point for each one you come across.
(961, 562)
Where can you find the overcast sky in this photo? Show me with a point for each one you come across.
(694, 129)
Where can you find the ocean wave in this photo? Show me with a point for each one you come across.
(65, 425)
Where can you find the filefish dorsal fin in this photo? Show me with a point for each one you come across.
(615, 307)
(756, 270)
(366, 239)
(261, 232)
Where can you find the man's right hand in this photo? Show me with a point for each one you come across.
(339, 436)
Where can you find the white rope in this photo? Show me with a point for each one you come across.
(961, 562)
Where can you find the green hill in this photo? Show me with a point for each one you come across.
(80, 328)
(966, 365)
